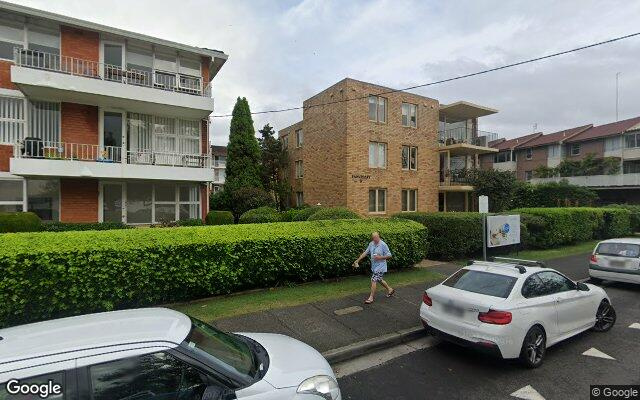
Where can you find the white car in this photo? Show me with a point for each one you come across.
(158, 354)
(513, 308)
(616, 260)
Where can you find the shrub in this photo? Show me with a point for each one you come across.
(19, 222)
(634, 216)
(220, 200)
(50, 275)
(190, 222)
(333, 213)
(80, 226)
(260, 216)
(249, 198)
(450, 235)
(553, 194)
(616, 222)
(219, 218)
(304, 213)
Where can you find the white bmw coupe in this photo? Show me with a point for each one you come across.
(514, 308)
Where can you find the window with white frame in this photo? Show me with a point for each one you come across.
(161, 202)
(409, 115)
(164, 204)
(377, 155)
(613, 143)
(632, 140)
(45, 43)
(409, 158)
(11, 36)
(299, 169)
(575, 149)
(285, 142)
(503, 156)
(377, 109)
(554, 151)
(43, 198)
(377, 200)
(12, 119)
(409, 199)
(299, 138)
(11, 195)
(299, 199)
(44, 121)
(188, 202)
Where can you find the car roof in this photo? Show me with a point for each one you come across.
(622, 240)
(93, 331)
(504, 268)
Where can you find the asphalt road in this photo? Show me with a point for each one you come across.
(446, 371)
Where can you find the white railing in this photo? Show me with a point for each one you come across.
(170, 81)
(466, 135)
(219, 164)
(36, 148)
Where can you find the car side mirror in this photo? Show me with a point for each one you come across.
(216, 393)
(582, 287)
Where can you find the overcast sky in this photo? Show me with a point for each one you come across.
(282, 52)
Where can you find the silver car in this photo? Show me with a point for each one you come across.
(616, 260)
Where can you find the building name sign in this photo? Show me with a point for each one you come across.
(360, 178)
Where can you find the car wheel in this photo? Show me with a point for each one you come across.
(534, 347)
(605, 317)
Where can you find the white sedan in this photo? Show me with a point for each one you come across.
(157, 354)
(514, 308)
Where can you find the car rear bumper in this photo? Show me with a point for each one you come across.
(614, 274)
(499, 340)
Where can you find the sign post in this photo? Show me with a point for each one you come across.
(483, 208)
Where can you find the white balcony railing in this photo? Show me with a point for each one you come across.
(39, 149)
(163, 80)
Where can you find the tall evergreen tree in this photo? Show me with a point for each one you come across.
(274, 163)
(243, 152)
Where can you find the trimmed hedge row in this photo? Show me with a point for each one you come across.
(450, 235)
(333, 213)
(19, 222)
(635, 214)
(80, 226)
(49, 275)
(260, 215)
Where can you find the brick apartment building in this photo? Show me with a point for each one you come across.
(377, 151)
(620, 139)
(101, 124)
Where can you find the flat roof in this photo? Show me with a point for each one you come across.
(464, 110)
(218, 57)
(93, 330)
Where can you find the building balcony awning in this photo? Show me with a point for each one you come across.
(463, 110)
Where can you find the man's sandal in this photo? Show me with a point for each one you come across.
(367, 301)
(391, 293)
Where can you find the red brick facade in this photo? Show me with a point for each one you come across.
(79, 123)
(5, 75)
(78, 200)
(80, 44)
(6, 152)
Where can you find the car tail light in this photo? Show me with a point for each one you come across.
(495, 317)
(426, 299)
(593, 258)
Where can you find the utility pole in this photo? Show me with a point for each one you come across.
(617, 75)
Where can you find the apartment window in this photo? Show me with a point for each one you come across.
(409, 199)
(632, 140)
(503, 156)
(377, 109)
(529, 153)
(188, 202)
(285, 142)
(299, 199)
(409, 115)
(377, 155)
(44, 120)
(631, 167)
(299, 169)
(377, 200)
(139, 203)
(43, 198)
(299, 138)
(613, 143)
(11, 35)
(12, 119)
(44, 40)
(11, 195)
(555, 151)
(575, 149)
(528, 175)
(409, 158)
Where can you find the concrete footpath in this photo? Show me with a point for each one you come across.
(345, 327)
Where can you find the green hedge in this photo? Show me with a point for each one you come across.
(333, 213)
(552, 227)
(49, 275)
(79, 226)
(19, 222)
(303, 214)
(450, 235)
(219, 218)
(260, 215)
(634, 209)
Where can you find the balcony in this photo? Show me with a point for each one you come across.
(631, 180)
(466, 141)
(455, 180)
(50, 76)
(42, 158)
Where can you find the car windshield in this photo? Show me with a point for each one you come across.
(481, 282)
(227, 351)
(619, 249)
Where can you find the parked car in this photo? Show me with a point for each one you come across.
(513, 308)
(157, 353)
(616, 260)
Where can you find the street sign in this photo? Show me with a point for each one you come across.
(503, 230)
(483, 204)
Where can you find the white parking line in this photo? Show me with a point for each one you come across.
(382, 356)
(593, 352)
(635, 325)
(527, 393)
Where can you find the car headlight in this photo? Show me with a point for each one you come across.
(321, 385)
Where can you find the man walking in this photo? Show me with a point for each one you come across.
(379, 253)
